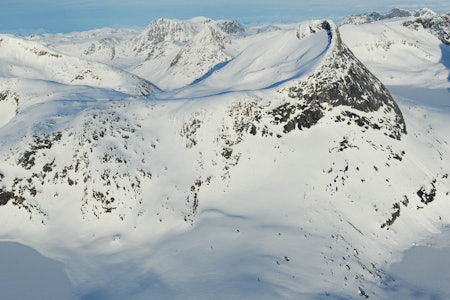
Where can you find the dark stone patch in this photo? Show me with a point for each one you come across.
(296, 116)
(427, 197)
(405, 201)
(48, 167)
(45, 53)
(5, 197)
(227, 152)
(360, 121)
(308, 118)
(399, 156)
(27, 158)
(253, 130)
(394, 216)
(343, 145)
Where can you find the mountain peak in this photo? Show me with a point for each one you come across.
(231, 26)
(342, 80)
(163, 30)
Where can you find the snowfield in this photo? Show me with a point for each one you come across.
(201, 159)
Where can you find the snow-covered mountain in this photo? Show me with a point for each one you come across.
(181, 51)
(438, 25)
(409, 51)
(169, 53)
(276, 165)
(394, 13)
(98, 45)
(29, 60)
(31, 73)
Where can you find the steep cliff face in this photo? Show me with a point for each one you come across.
(341, 80)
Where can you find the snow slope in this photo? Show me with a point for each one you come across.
(18, 94)
(431, 256)
(43, 278)
(266, 62)
(97, 45)
(401, 51)
(289, 172)
(30, 60)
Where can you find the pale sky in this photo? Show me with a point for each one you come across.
(36, 16)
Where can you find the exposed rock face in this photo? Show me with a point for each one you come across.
(231, 27)
(436, 25)
(106, 46)
(215, 39)
(342, 80)
(163, 30)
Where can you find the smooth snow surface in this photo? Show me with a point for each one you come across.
(423, 272)
(26, 274)
(267, 63)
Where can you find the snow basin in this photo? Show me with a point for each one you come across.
(424, 270)
(26, 274)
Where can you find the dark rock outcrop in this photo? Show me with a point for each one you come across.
(341, 80)
(436, 25)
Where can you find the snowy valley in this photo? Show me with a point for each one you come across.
(204, 159)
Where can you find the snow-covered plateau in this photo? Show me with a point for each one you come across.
(203, 159)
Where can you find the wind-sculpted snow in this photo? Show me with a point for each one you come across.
(30, 60)
(267, 61)
(285, 173)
